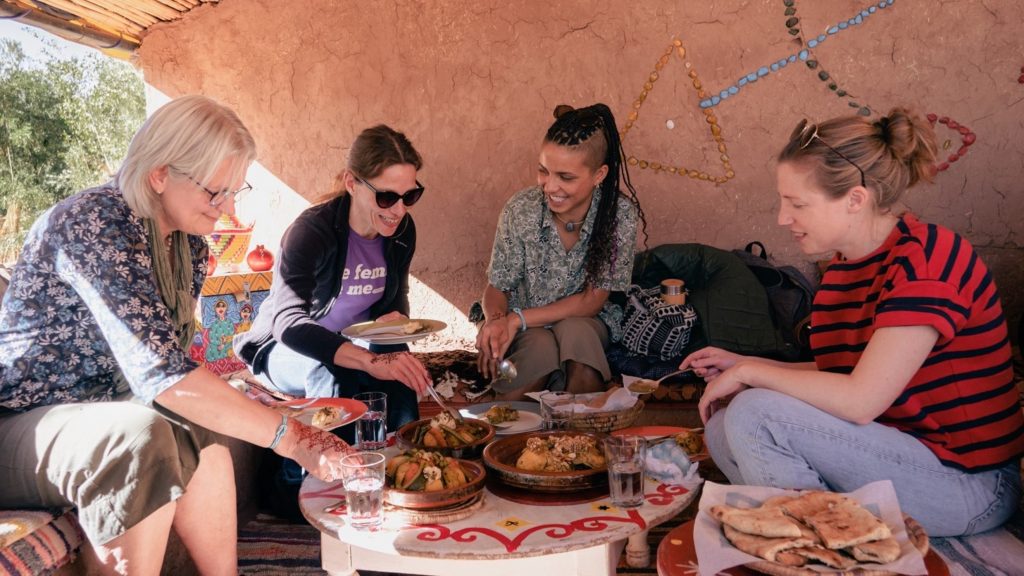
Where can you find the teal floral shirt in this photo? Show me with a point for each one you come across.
(529, 263)
(83, 304)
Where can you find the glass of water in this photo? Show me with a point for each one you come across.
(625, 459)
(371, 428)
(363, 475)
(556, 409)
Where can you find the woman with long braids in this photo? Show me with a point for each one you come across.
(561, 247)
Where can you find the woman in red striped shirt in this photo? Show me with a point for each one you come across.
(911, 379)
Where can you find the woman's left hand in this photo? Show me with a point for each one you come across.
(394, 315)
(719, 391)
(316, 450)
(400, 366)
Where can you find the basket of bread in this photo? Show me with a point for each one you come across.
(807, 533)
(606, 411)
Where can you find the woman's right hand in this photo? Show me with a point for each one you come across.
(316, 450)
(492, 341)
(400, 366)
(709, 362)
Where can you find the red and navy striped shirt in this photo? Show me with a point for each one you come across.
(962, 403)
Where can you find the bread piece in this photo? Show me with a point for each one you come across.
(767, 522)
(825, 556)
(847, 525)
(810, 503)
(881, 551)
(777, 501)
(767, 548)
(788, 558)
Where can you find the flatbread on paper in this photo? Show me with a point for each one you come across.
(847, 525)
(880, 551)
(811, 503)
(767, 548)
(767, 522)
(825, 556)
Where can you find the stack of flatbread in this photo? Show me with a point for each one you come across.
(821, 527)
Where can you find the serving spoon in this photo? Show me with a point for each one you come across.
(437, 398)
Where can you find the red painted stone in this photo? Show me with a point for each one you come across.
(953, 125)
(942, 167)
(1021, 79)
(962, 150)
(964, 130)
(932, 118)
(953, 157)
(969, 138)
(944, 120)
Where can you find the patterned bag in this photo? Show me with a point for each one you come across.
(651, 327)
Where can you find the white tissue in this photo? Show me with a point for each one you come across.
(669, 464)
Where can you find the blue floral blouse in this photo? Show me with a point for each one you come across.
(83, 303)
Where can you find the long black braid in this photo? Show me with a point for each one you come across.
(574, 128)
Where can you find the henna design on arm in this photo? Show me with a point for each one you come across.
(316, 440)
(387, 358)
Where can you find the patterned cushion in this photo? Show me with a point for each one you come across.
(38, 542)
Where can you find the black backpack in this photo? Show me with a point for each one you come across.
(790, 294)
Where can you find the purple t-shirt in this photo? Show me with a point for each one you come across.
(362, 283)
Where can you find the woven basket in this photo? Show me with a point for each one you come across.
(608, 421)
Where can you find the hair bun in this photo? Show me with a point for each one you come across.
(562, 110)
(911, 140)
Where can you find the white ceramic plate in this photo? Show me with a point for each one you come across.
(391, 332)
(529, 416)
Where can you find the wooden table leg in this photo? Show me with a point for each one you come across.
(336, 556)
(638, 552)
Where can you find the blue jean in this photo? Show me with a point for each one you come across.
(766, 438)
(298, 375)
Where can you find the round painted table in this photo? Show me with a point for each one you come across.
(501, 537)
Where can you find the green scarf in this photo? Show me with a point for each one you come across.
(175, 282)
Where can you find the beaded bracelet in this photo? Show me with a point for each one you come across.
(281, 429)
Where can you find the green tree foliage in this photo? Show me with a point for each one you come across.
(65, 125)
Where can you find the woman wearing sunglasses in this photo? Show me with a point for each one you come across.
(911, 379)
(341, 262)
(561, 247)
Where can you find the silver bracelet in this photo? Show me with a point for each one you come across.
(281, 429)
(522, 318)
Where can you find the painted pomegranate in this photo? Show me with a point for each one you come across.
(260, 259)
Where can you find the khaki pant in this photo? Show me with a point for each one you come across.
(540, 352)
(117, 462)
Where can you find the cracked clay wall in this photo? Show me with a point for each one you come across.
(473, 85)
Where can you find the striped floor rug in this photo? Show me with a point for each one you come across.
(268, 546)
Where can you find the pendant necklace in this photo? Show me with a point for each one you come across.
(569, 226)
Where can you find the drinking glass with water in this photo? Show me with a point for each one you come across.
(363, 476)
(625, 459)
(556, 410)
(371, 428)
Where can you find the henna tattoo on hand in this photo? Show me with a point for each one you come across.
(316, 440)
(387, 358)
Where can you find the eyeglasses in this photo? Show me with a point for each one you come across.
(807, 132)
(217, 198)
(386, 198)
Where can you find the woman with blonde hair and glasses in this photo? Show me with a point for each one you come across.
(101, 407)
(911, 379)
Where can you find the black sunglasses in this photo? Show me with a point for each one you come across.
(807, 132)
(386, 198)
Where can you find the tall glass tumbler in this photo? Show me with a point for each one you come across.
(372, 428)
(363, 476)
(556, 410)
(625, 459)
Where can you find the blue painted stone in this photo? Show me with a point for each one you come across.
(715, 100)
(872, 9)
(882, 4)
(752, 77)
(705, 104)
(843, 25)
(792, 58)
(782, 63)
(733, 90)
(762, 71)
(803, 54)
(724, 94)
(774, 67)
(858, 19)
(742, 81)
(822, 38)
(833, 30)
(812, 43)
(889, 2)
(864, 13)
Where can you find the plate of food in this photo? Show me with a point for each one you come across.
(427, 480)
(444, 434)
(323, 413)
(691, 440)
(800, 533)
(507, 417)
(553, 461)
(398, 331)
